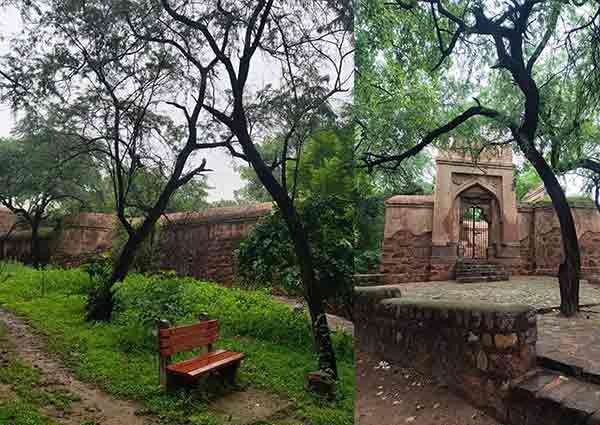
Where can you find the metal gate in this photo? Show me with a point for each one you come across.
(474, 232)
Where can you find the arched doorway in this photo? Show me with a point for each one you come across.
(478, 223)
(474, 232)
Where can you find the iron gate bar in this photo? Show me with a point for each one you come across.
(475, 233)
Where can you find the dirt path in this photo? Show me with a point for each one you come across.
(391, 395)
(92, 406)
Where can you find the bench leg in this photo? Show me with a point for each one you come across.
(230, 373)
(173, 382)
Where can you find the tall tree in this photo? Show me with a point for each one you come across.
(506, 56)
(83, 72)
(306, 47)
(38, 175)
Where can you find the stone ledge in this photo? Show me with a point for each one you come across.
(476, 349)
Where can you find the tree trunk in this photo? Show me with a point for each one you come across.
(312, 292)
(35, 244)
(100, 304)
(569, 269)
(316, 305)
(126, 258)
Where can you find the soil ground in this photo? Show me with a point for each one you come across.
(391, 395)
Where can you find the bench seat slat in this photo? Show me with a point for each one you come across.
(205, 363)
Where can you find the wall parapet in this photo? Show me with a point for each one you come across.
(476, 349)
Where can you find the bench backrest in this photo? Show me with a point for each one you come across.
(186, 338)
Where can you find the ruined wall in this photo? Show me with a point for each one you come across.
(547, 252)
(477, 350)
(82, 236)
(6, 220)
(202, 244)
(407, 245)
(526, 222)
(406, 249)
(199, 244)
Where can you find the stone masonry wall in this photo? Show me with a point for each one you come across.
(477, 350)
(202, 244)
(199, 244)
(407, 246)
(82, 236)
(406, 249)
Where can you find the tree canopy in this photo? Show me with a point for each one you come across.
(40, 176)
(474, 76)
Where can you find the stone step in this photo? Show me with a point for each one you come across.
(548, 397)
(583, 374)
(471, 272)
(480, 272)
(475, 279)
(479, 267)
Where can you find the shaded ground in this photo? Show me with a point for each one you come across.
(391, 395)
(63, 399)
(573, 341)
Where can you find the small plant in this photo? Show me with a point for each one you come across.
(98, 291)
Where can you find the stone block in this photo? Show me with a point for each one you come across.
(506, 341)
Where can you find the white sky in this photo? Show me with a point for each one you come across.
(224, 180)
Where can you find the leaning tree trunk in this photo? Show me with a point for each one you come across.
(312, 291)
(315, 300)
(570, 267)
(35, 244)
(100, 304)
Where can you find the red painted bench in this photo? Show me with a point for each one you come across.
(173, 340)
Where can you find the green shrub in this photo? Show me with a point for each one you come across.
(266, 258)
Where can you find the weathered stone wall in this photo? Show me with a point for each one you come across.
(82, 236)
(17, 246)
(477, 350)
(406, 250)
(7, 219)
(547, 252)
(202, 244)
(199, 244)
(15, 240)
(408, 256)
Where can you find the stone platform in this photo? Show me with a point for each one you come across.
(564, 388)
(569, 345)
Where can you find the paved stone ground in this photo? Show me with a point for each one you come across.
(571, 342)
(538, 291)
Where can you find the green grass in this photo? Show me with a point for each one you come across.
(120, 356)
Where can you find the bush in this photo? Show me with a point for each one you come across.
(266, 258)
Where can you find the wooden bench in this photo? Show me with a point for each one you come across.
(173, 340)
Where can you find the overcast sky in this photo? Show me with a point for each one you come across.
(223, 180)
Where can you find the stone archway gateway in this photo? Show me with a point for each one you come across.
(425, 235)
(471, 218)
(474, 216)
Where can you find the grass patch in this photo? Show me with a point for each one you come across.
(120, 356)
